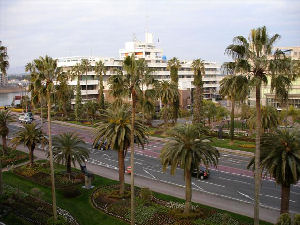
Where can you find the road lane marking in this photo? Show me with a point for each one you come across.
(234, 180)
(270, 196)
(149, 174)
(207, 182)
(197, 186)
(247, 196)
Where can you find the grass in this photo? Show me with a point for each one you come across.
(236, 145)
(81, 208)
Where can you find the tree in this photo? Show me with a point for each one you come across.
(115, 132)
(221, 112)
(4, 64)
(167, 92)
(76, 73)
(199, 72)
(64, 93)
(48, 72)
(100, 70)
(128, 84)
(188, 149)
(236, 88)
(30, 135)
(209, 110)
(252, 59)
(69, 148)
(85, 68)
(90, 110)
(280, 157)
(5, 118)
(173, 66)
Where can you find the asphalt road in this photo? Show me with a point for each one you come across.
(229, 180)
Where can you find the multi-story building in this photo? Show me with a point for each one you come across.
(269, 98)
(156, 61)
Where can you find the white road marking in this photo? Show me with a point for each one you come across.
(149, 174)
(207, 182)
(235, 180)
(270, 196)
(247, 196)
(197, 186)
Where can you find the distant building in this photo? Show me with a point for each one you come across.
(156, 60)
(268, 98)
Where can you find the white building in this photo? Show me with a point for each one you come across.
(156, 60)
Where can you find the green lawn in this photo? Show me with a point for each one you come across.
(81, 208)
(236, 145)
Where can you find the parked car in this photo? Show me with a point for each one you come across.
(201, 174)
(25, 118)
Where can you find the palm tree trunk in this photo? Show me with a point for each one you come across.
(41, 115)
(232, 120)
(1, 179)
(132, 154)
(31, 157)
(51, 159)
(121, 171)
(4, 145)
(86, 86)
(188, 191)
(69, 170)
(257, 173)
(285, 199)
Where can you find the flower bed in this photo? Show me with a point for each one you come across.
(14, 157)
(153, 211)
(22, 206)
(40, 174)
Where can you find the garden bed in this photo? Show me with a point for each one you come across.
(18, 208)
(40, 173)
(14, 157)
(151, 210)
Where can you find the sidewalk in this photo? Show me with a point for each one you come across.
(217, 201)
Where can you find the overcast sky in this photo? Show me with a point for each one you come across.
(185, 29)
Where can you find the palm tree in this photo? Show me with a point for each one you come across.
(4, 64)
(30, 135)
(199, 72)
(5, 118)
(48, 72)
(236, 88)
(63, 93)
(167, 92)
(115, 131)
(76, 73)
(280, 157)
(128, 85)
(188, 149)
(69, 148)
(173, 66)
(90, 109)
(85, 67)
(100, 70)
(209, 110)
(251, 59)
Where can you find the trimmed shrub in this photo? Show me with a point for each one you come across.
(284, 219)
(36, 192)
(146, 195)
(297, 219)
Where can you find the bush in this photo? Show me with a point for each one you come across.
(60, 221)
(146, 195)
(71, 192)
(36, 192)
(284, 219)
(116, 194)
(297, 219)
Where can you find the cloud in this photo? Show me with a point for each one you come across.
(186, 29)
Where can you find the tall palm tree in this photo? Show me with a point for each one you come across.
(30, 135)
(188, 149)
(63, 93)
(199, 72)
(167, 92)
(4, 64)
(100, 70)
(236, 88)
(209, 110)
(173, 66)
(128, 84)
(5, 118)
(251, 57)
(69, 148)
(48, 72)
(90, 110)
(280, 157)
(115, 131)
(85, 67)
(76, 73)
